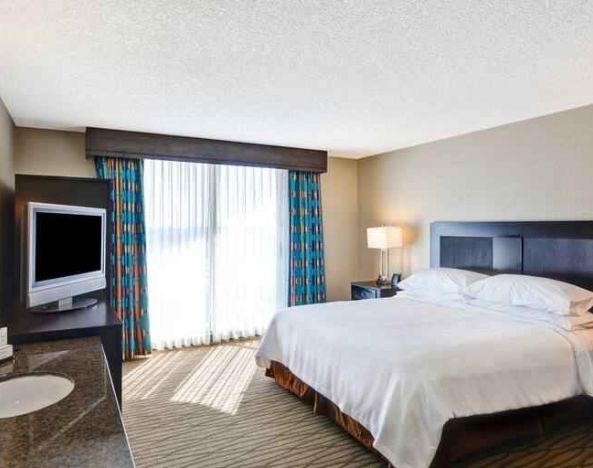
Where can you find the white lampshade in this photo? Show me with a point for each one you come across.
(384, 237)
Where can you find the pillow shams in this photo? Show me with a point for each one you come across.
(533, 292)
(440, 280)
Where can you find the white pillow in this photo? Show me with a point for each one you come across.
(526, 313)
(432, 296)
(440, 280)
(534, 292)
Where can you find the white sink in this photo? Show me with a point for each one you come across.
(26, 393)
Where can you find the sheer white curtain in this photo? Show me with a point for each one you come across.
(179, 212)
(217, 250)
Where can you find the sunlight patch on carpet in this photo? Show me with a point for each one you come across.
(220, 380)
(145, 380)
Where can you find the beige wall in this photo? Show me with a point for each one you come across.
(6, 202)
(339, 197)
(539, 169)
(50, 152)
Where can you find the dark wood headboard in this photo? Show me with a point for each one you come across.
(553, 249)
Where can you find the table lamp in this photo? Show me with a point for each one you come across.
(384, 238)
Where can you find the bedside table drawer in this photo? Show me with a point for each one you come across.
(371, 290)
(358, 292)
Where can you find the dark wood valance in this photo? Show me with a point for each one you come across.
(123, 144)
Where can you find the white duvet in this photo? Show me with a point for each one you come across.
(402, 367)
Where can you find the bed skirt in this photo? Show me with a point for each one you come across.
(461, 437)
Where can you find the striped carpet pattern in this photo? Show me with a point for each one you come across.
(212, 407)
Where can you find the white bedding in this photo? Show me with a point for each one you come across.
(402, 367)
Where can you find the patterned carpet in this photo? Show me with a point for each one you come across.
(212, 407)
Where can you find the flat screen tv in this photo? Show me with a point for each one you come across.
(65, 255)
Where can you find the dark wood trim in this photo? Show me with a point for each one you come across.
(123, 144)
(42, 178)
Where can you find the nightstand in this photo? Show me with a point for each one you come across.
(370, 290)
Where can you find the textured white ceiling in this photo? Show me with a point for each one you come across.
(354, 77)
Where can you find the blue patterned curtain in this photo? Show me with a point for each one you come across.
(128, 251)
(307, 262)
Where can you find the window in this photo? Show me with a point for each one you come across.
(217, 250)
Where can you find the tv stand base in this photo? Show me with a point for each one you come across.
(65, 305)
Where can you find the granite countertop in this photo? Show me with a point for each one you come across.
(85, 429)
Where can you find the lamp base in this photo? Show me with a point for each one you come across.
(382, 280)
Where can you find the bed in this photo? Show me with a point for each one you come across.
(426, 380)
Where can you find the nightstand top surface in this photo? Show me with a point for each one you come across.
(372, 284)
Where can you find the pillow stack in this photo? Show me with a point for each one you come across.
(441, 281)
(553, 296)
(532, 297)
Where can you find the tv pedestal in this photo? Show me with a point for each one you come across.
(27, 327)
(65, 305)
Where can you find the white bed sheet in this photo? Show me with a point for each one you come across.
(403, 366)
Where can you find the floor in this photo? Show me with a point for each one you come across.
(212, 407)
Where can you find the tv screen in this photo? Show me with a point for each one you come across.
(66, 245)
